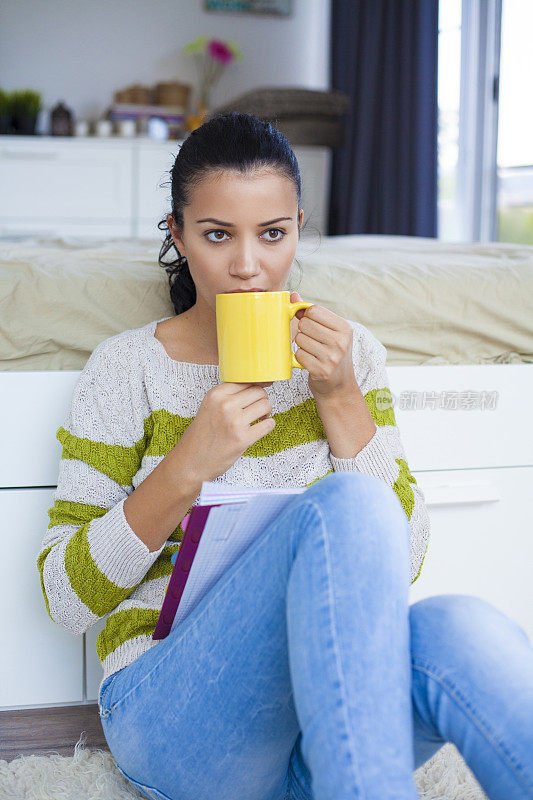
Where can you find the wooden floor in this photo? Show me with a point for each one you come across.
(44, 731)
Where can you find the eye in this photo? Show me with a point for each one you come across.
(279, 230)
(208, 233)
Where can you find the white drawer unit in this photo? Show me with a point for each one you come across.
(473, 463)
(112, 187)
(70, 186)
(40, 400)
(42, 663)
(464, 416)
(481, 538)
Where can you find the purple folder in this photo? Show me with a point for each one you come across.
(193, 524)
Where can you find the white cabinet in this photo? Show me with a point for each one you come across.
(474, 466)
(481, 538)
(39, 401)
(66, 187)
(469, 442)
(42, 663)
(464, 416)
(90, 187)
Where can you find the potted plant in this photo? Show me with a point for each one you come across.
(25, 107)
(5, 112)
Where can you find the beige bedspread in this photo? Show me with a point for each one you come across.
(427, 301)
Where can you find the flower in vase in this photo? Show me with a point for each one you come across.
(219, 51)
(211, 57)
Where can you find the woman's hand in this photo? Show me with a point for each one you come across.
(325, 349)
(231, 418)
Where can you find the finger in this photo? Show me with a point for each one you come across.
(311, 346)
(325, 317)
(235, 388)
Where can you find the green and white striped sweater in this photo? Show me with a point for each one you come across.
(130, 405)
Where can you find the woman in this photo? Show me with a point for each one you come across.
(303, 673)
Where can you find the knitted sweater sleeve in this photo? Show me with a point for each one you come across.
(384, 455)
(90, 558)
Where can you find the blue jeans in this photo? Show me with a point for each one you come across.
(305, 673)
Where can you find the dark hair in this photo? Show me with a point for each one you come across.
(236, 141)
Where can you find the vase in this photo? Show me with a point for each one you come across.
(5, 122)
(25, 124)
(200, 115)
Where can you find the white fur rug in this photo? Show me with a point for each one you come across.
(93, 775)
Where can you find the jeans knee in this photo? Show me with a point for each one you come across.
(457, 618)
(463, 640)
(353, 484)
(448, 611)
(455, 610)
(359, 505)
(362, 493)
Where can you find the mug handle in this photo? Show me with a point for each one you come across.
(293, 308)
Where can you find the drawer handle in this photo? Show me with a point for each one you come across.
(449, 494)
(41, 156)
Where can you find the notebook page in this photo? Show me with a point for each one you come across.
(229, 531)
(212, 492)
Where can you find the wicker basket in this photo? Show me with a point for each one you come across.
(172, 93)
(137, 93)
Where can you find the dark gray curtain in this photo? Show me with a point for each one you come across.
(384, 176)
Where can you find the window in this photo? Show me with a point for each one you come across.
(485, 142)
(515, 128)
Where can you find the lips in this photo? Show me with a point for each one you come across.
(246, 290)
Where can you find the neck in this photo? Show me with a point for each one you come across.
(203, 328)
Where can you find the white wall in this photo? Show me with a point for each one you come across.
(81, 52)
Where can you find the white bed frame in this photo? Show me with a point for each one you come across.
(475, 466)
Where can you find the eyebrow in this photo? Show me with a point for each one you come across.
(231, 224)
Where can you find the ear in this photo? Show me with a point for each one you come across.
(178, 241)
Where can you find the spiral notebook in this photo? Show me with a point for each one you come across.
(223, 524)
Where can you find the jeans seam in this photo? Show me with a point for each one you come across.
(244, 560)
(289, 787)
(480, 724)
(102, 710)
(331, 608)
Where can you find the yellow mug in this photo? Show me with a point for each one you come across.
(254, 336)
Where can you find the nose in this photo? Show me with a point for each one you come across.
(246, 262)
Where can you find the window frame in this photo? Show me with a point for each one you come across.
(477, 179)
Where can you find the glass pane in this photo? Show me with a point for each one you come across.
(515, 124)
(449, 76)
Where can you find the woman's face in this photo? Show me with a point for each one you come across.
(233, 237)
